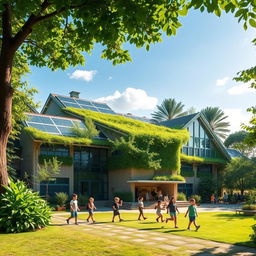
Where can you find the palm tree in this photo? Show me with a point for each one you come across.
(215, 116)
(169, 109)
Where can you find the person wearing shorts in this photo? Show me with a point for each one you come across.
(73, 209)
(192, 213)
(172, 210)
(91, 207)
(116, 205)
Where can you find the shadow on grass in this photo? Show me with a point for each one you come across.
(232, 250)
(232, 216)
(175, 230)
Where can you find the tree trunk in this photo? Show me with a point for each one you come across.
(5, 128)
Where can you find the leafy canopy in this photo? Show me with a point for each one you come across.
(169, 109)
(240, 174)
(217, 120)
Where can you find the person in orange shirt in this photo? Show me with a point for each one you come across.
(212, 199)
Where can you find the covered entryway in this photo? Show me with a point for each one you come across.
(152, 189)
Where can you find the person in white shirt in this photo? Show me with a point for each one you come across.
(73, 209)
(141, 207)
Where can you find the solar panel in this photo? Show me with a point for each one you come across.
(73, 105)
(66, 131)
(106, 111)
(40, 119)
(99, 105)
(44, 128)
(86, 104)
(67, 99)
(62, 122)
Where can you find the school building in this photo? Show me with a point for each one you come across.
(185, 145)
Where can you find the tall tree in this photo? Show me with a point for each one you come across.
(53, 33)
(169, 109)
(217, 120)
(235, 138)
(240, 174)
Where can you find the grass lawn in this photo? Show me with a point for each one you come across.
(72, 240)
(218, 226)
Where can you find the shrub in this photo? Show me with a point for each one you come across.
(22, 210)
(206, 187)
(249, 207)
(61, 198)
(197, 198)
(181, 197)
(169, 178)
(125, 196)
(253, 235)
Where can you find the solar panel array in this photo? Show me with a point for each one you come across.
(85, 104)
(53, 125)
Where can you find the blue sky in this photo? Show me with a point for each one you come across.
(185, 67)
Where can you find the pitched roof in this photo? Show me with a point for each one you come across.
(234, 153)
(179, 122)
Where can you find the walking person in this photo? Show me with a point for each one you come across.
(159, 209)
(116, 205)
(91, 207)
(141, 208)
(172, 210)
(73, 209)
(192, 213)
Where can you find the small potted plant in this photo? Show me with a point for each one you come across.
(61, 200)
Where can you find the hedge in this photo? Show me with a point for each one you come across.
(65, 160)
(169, 178)
(51, 138)
(143, 145)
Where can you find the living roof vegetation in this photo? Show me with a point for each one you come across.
(131, 126)
(196, 159)
(143, 145)
(51, 138)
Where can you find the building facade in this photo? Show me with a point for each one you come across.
(85, 168)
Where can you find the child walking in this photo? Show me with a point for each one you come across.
(91, 207)
(172, 209)
(141, 207)
(192, 213)
(159, 209)
(73, 209)
(116, 205)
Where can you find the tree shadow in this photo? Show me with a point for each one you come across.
(232, 250)
(232, 216)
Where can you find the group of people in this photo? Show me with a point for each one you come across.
(169, 205)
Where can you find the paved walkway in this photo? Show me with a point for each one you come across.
(191, 246)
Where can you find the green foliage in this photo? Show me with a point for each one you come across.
(88, 132)
(169, 178)
(50, 138)
(196, 159)
(65, 160)
(169, 109)
(197, 198)
(187, 173)
(234, 138)
(249, 207)
(125, 196)
(253, 235)
(217, 120)
(22, 210)
(83, 199)
(61, 198)
(143, 145)
(206, 187)
(181, 197)
(48, 169)
(240, 174)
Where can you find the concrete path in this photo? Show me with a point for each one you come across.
(186, 245)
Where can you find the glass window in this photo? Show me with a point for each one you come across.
(185, 150)
(186, 188)
(196, 128)
(202, 132)
(204, 170)
(190, 151)
(55, 186)
(190, 143)
(197, 142)
(54, 150)
(207, 143)
(197, 151)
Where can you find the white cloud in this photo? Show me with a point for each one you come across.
(110, 78)
(240, 89)
(236, 117)
(86, 75)
(129, 100)
(223, 81)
